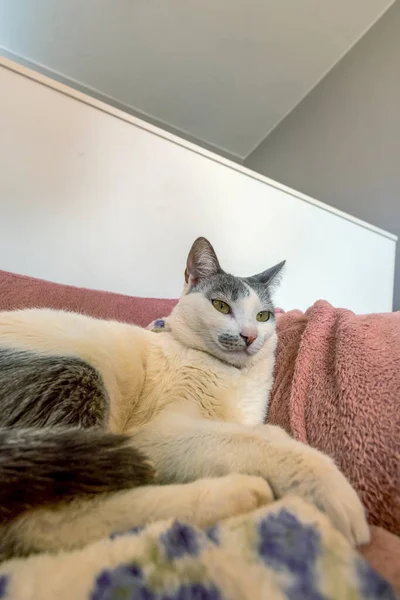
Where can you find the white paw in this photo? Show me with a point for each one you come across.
(327, 488)
(228, 496)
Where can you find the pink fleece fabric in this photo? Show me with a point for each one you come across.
(337, 388)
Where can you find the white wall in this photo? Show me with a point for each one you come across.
(351, 125)
(92, 197)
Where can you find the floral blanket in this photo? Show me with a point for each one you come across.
(287, 550)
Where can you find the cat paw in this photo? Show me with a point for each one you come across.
(333, 495)
(229, 496)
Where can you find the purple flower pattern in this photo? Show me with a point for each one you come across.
(173, 565)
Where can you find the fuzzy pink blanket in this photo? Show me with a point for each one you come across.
(337, 388)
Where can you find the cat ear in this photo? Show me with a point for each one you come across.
(202, 262)
(270, 276)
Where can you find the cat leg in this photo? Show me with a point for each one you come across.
(183, 447)
(80, 522)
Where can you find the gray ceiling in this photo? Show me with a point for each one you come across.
(222, 72)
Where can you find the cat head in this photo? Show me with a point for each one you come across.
(230, 317)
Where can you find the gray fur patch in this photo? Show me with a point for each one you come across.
(227, 287)
(205, 276)
(53, 447)
(231, 288)
(222, 285)
(42, 467)
(263, 291)
(37, 390)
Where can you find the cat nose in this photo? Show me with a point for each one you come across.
(249, 337)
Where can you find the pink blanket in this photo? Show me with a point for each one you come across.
(20, 291)
(337, 388)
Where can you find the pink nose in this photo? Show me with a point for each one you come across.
(248, 337)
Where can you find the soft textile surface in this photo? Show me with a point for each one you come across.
(18, 291)
(285, 551)
(383, 553)
(337, 388)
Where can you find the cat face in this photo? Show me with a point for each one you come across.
(229, 317)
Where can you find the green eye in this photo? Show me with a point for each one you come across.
(263, 316)
(221, 306)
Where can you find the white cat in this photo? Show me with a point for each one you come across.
(193, 400)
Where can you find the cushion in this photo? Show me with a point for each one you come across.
(20, 291)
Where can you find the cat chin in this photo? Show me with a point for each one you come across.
(240, 359)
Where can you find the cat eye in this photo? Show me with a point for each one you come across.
(221, 306)
(263, 316)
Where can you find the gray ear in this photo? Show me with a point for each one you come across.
(202, 262)
(270, 276)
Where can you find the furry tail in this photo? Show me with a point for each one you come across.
(39, 467)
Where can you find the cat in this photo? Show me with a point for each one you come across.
(106, 426)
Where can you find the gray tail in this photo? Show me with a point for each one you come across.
(39, 467)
